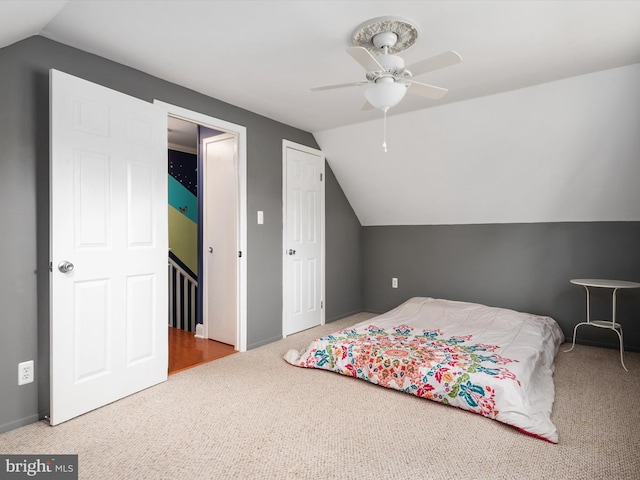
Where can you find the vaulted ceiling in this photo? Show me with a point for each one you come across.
(265, 56)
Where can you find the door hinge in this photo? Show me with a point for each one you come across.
(321, 304)
(51, 266)
(239, 253)
(320, 177)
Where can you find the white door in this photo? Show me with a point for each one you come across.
(303, 264)
(108, 216)
(220, 238)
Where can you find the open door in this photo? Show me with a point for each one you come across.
(108, 246)
(221, 261)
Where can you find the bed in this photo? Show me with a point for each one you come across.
(492, 361)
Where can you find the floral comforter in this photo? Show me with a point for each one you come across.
(491, 361)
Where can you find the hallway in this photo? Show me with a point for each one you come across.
(187, 351)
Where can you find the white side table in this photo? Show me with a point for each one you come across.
(615, 285)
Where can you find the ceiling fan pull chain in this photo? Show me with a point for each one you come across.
(384, 130)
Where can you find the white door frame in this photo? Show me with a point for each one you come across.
(241, 134)
(285, 280)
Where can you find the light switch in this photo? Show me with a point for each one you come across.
(260, 217)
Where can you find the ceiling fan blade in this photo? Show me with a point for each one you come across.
(364, 58)
(445, 59)
(337, 85)
(425, 90)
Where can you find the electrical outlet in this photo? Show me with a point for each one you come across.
(394, 282)
(25, 372)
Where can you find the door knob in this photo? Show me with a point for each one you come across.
(65, 267)
(292, 252)
(210, 249)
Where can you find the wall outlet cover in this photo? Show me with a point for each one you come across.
(25, 372)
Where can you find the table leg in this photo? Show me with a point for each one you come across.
(588, 303)
(573, 344)
(618, 330)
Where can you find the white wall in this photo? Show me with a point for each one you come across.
(562, 151)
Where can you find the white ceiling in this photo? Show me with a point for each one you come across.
(265, 55)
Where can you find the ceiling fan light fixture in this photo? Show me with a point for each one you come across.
(384, 95)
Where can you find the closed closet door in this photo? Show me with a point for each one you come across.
(303, 263)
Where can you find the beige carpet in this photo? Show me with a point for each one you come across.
(252, 416)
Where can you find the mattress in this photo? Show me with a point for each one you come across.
(491, 361)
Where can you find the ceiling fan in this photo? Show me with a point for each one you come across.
(376, 43)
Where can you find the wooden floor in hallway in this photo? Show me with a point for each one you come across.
(187, 351)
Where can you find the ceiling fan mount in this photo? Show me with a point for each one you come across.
(396, 33)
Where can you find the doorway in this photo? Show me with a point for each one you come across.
(108, 293)
(226, 141)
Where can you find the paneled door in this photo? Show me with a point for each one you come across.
(220, 238)
(108, 246)
(303, 264)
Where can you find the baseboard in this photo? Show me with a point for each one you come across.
(5, 427)
(263, 342)
(343, 315)
(613, 346)
(199, 330)
(373, 310)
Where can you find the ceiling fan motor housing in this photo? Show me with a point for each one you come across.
(393, 68)
(391, 62)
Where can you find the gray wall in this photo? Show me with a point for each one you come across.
(343, 237)
(525, 267)
(24, 166)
